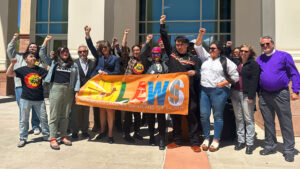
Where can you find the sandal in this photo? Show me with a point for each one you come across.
(54, 145)
(205, 144)
(65, 141)
(214, 146)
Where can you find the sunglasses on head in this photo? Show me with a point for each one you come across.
(244, 51)
(263, 44)
(212, 49)
(83, 51)
(155, 54)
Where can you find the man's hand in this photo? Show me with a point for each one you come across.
(16, 36)
(294, 96)
(149, 38)
(87, 31)
(191, 73)
(14, 61)
(162, 19)
(48, 38)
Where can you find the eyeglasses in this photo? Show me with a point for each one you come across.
(155, 54)
(263, 44)
(83, 51)
(244, 51)
(212, 49)
(32, 47)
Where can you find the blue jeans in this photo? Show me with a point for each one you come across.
(215, 99)
(40, 107)
(35, 122)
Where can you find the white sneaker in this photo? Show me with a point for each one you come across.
(21, 143)
(36, 131)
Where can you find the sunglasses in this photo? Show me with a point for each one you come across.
(212, 49)
(84, 51)
(244, 51)
(263, 44)
(155, 54)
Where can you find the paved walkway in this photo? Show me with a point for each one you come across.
(94, 154)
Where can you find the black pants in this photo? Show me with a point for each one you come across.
(161, 118)
(118, 119)
(96, 118)
(128, 122)
(192, 123)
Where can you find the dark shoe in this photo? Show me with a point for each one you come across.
(137, 136)
(100, 136)
(196, 149)
(239, 146)
(289, 157)
(111, 140)
(266, 151)
(74, 135)
(95, 129)
(152, 140)
(162, 145)
(85, 135)
(129, 139)
(65, 141)
(249, 149)
(172, 145)
(21, 143)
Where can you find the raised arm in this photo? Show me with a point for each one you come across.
(124, 41)
(146, 48)
(164, 35)
(201, 52)
(11, 47)
(89, 42)
(10, 70)
(43, 51)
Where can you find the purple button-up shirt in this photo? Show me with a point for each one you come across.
(277, 70)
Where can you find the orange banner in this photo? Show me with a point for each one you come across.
(163, 93)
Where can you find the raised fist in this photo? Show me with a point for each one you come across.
(149, 37)
(87, 29)
(16, 36)
(162, 19)
(228, 43)
(14, 61)
(202, 31)
(48, 38)
(126, 31)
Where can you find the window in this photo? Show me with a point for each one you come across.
(185, 18)
(51, 18)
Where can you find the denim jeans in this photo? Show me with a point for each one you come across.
(244, 116)
(40, 107)
(215, 99)
(35, 122)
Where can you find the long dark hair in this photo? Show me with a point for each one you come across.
(103, 43)
(37, 56)
(69, 62)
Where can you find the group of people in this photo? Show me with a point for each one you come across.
(214, 75)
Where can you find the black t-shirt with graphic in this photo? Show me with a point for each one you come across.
(62, 75)
(32, 88)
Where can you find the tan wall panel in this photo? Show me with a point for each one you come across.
(247, 22)
(25, 17)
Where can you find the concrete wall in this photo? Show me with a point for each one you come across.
(287, 28)
(247, 22)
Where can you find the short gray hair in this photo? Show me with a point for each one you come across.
(267, 37)
(83, 46)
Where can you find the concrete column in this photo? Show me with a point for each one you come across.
(8, 26)
(25, 24)
(247, 22)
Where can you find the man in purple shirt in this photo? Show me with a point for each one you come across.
(277, 69)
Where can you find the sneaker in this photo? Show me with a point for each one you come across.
(21, 143)
(74, 135)
(85, 134)
(137, 136)
(111, 140)
(289, 157)
(36, 131)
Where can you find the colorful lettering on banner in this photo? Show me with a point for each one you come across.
(164, 93)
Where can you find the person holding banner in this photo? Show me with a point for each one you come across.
(182, 60)
(217, 73)
(158, 66)
(65, 81)
(135, 65)
(107, 64)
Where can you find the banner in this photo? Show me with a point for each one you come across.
(163, 93)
